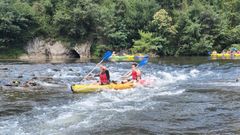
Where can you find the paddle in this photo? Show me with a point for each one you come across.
(106, 56)
(143, 62)
(140, 64)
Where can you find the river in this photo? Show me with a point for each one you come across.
(188, 95)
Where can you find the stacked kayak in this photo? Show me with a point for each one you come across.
(226, 55)
(85, 88)
(122, 58)
(128, 58)
(139, 58)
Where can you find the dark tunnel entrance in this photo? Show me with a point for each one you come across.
(73, 54)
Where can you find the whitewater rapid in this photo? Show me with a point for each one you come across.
(199, 98)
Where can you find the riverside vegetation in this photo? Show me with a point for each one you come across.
(159, 27)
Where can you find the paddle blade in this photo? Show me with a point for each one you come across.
(143, 62)
(107, 55)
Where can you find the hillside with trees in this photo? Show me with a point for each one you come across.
(161, 27)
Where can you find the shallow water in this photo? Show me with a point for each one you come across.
(188, 95)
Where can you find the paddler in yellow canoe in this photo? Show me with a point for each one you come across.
(135, 73)
(104, 76)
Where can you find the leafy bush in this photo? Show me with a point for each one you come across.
(233, 46)
(147, 44)
(17, 23)
(99, 50)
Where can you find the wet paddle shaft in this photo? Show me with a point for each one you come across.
(106, 56)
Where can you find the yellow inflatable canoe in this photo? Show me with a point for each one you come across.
(122, 58)
(85, 88)
(128, 58)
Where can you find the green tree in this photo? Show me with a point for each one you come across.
(163, 22)
(118, 37)
(44, 13)
(17, 23)
(173, 27)
(198, 29)
(162, 26)
(232, 9)
(76, 20)
(147, 44)
(139, 15)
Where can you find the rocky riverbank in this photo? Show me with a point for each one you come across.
(40, 48)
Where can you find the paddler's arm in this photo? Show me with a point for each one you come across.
(138, 72)
(126, 75)
(96, 75)
(90, 77)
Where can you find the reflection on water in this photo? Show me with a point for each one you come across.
(188, 95)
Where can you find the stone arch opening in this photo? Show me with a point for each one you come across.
(73, 54)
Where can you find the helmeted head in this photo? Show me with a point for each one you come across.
(103, 68)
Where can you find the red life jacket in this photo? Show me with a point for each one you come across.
(103, 78)
(135, 75)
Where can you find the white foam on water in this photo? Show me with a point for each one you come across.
(194, 72)
(94, 109)
(11, 127)
(180, 91)
(64, 76)
(65, 118)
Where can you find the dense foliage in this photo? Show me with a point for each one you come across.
(163, 27)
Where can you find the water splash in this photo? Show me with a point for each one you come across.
(175, 98)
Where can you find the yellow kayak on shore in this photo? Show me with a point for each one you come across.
(85, 88)
(225, 55)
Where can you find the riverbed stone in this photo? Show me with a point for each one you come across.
(3, 68)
